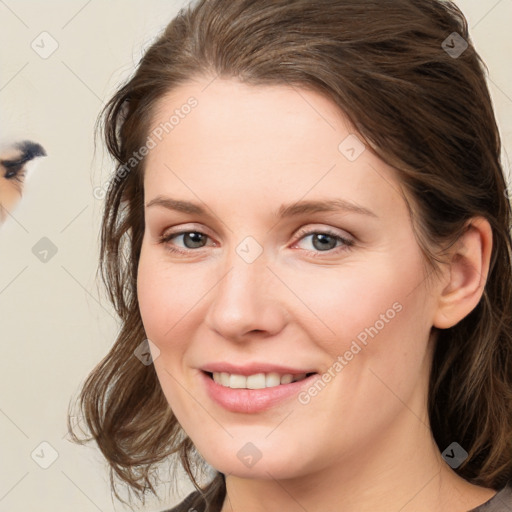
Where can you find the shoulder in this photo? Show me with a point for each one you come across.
(194, 502)
(500, 502)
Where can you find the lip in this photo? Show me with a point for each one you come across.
(253, 368)
(250, 401)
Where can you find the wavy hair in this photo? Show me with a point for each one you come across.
(419, 106)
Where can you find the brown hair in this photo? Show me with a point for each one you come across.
(422, 110)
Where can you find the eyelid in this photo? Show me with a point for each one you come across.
(317, 228)
(184, 228)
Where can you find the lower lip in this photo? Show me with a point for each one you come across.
(253, 400)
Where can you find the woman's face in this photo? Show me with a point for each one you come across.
(262, 282)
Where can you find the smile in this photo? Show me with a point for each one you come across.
(255, 381)
(242, 399)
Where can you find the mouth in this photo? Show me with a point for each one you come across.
(249, 394)
(257, 380)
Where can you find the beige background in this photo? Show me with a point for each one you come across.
(55, 322)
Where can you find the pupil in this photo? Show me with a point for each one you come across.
(194, 235)
(322, 238)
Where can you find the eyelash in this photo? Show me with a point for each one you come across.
(347, 244)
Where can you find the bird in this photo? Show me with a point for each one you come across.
(14, 159)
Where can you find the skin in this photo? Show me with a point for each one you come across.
(364, 442)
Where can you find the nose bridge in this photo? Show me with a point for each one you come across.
(243, 298)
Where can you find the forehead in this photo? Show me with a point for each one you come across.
(278, 140)
(236, 114)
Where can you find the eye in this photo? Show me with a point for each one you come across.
(191, 239)
(325, 241)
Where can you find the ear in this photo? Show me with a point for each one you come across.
(468, 269)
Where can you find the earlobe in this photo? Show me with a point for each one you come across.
(468, 270)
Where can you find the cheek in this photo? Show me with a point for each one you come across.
(385, 341)
(354, 303)
(379, 320)
(168, 302)
(157, 302)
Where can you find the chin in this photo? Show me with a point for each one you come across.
(244, 459)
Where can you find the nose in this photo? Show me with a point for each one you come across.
(246, 301)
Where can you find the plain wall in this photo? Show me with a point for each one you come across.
(56, 324)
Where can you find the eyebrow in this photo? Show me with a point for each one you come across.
(285, 211)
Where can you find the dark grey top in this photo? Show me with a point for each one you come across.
(500, 502)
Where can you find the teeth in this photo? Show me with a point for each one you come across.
(256, 381)
(286, 378)
(272, 379)
(224, 378)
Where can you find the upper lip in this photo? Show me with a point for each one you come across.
(253, 368)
